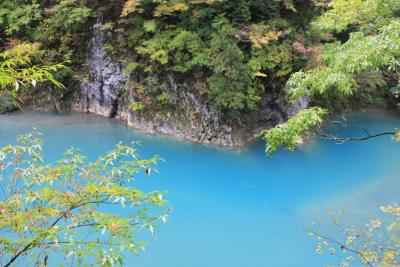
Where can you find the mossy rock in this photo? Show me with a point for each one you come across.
(7, 103)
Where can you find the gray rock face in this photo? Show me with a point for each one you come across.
(100, 94)
(190, 118)
(303, 103)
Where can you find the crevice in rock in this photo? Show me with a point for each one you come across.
(115, 106)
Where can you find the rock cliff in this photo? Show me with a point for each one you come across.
(190, 118)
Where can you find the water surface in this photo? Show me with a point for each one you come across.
(238, 208)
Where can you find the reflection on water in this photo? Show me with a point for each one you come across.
(237, 208)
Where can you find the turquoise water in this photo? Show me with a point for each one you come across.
(238, 208)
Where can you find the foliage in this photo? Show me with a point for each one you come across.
(164, 98)
(207, 37)
(130, 6)
(136, 106)
(290, 133)
(273, 60)
(364, 58)
(86, 211)
(360, 54)
(238, 11)
(362, 63)
(18, 16)
(375, 244)
(17, 72)
(261, 35)
(61, 29)
(373, 45)
(363, 14)
(162, 37)
(232, 79)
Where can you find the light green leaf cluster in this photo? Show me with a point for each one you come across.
(320, 81)
(17, 73)
(343, 62)
(290, 133)
(87, 211)
(372, 48)
(150, 25)
(363, 13)
(374, 244)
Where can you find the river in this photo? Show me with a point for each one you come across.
(238, 208)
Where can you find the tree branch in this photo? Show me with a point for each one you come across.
(341, 245)
(345, 139)
(31, 244)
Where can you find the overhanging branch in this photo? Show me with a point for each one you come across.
(346, 139)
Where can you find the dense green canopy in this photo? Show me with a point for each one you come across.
(237, 47)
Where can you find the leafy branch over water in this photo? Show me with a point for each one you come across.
(18, 74)
(374, 244)
(86, 211)
(363, 58)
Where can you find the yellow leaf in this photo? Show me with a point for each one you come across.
(53, 212)
(260, 74)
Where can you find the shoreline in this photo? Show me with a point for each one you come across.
(241, 147)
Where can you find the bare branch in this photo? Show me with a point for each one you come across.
(346, 139)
